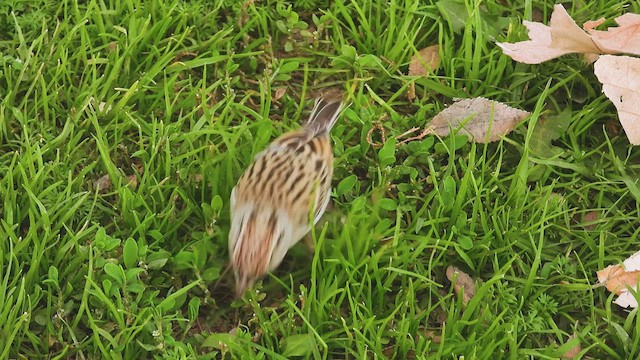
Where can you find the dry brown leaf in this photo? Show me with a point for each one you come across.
(411, 93)
(279, 93)
(132, 180)
(425, 61)
(620, 78)
(103, 183)
(435, 337)
(618, 279)
(562, 36)
(463, 283)
(482, 119)
(589, 219)
(574, 351)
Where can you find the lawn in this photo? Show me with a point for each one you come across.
(125, 124)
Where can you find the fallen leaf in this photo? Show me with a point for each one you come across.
(620, 78)
(103, 183)
(623, 39)
(619, 75)
(589, 220)
(463, 283)
(618, 279)
(482, 119)
(132, 180)
(562, 36)
(574, 351)
(279, 93)
(626, 299)
(425, 61)
(433, 335)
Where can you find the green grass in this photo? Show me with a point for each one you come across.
(170, 101)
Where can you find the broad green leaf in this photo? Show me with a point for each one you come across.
(130, 253)
(219, 340)
(116, 272)
(298, 345)
(387, 154)
(345, 185)
(388, 204)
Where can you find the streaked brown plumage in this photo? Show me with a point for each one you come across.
(273, 200)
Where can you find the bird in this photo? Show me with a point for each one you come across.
(280, 194)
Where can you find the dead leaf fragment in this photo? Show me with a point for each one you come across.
(620, 78)
(589, 220)
(279, 93)
(592, 24)
(574, 351)
(103, 183)
(618, 279)
(411, 93)
(463, 283)
(425, 61)
(435, 337)
(132, 180)
(482, 119)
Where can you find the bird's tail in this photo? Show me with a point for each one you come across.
(324, 114)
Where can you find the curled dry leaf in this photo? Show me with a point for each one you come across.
(132, 181)
(103, 183)
(279, 93)
(618, 279)
(482, 119)
(620, 78)
(463, 283)
(434, 335)
(425, 61)
(589, 220)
